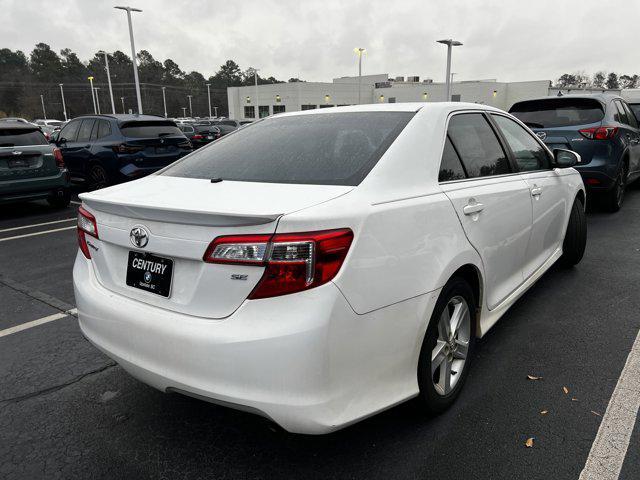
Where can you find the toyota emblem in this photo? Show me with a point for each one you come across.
(139, 237)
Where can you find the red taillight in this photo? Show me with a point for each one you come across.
(57, 154)
(197, 137)
(86, 226)
(599, 133)
(592, 181)
(293, 261)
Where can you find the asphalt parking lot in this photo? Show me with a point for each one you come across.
(67, 411)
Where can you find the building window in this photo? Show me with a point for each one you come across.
(309, 107)
(278, 109)
(456, 98)
(392, 99)
(263, 111)
(249, 112)
(326, 106)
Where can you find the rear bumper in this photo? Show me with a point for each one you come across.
(305, 360)
(599, 174)
(33, 188)
(137, 168)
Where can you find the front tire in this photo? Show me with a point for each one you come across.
(575, 239)
(448, 347)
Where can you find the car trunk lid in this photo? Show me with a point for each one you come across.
(181, 217)
(33, 161)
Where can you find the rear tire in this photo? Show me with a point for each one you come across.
(97, 177)
(575, 239)
(614, 198)
(59, 201)
(445, 355)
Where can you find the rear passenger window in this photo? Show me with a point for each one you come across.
(84, 134)
(619, 115)
(104, 129)
(477, 145)
(529, 154)
(450, 166)
(633, 121)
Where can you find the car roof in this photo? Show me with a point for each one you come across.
(602, 97)
(18, 125)
(126, 117)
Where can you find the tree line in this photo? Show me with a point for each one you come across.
(601, 79)
(24, 78)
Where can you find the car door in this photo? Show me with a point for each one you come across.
(493, 203)
(82, 153)
(548, 191)
(68, 146)
(634, 141)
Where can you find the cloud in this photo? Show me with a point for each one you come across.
(314, 39)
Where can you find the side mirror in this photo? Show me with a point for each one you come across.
(565, 158)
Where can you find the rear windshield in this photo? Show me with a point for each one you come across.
(327, 149)
(149, 129)
(205, 128)
(20, 137)
(558, 112)
(227, 122)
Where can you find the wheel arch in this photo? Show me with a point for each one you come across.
(473, 276)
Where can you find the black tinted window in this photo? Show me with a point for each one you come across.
(478, 147)
(84, 134)
(104, 129)
(635, 108)
(619, 115)
(228, 122)
(18, 137)
(450, 166)
(70, 131)
(558, 112)
(633, 121)
(327, 149)
(529, 154)
(149, 129)
(186, 129)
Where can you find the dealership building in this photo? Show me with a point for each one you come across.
(248, 103)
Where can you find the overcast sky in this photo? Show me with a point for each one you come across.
(509, 40)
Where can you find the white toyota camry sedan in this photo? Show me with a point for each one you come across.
(318, 267)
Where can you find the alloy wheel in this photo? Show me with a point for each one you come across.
(97, 178)
(449, 356)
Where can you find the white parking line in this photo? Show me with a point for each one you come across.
(612, 441)
(35, 323)
(36, 233)
(38, 225)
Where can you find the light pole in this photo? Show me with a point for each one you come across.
(122, 100)
(64, 107)
(255, 79)
(190, 109)
(44, 112)
(93, 98)
(106, 63)
(359, 51)
(215, 109)
(184, 112)
(164, 101)
(209, 98)
(450, 44)
(97, 99)
(133, 54)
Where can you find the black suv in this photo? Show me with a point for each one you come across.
(101, 150)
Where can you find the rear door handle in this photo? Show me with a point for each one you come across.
(536, 191)
(472, 208)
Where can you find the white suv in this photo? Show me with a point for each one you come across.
(320, 266)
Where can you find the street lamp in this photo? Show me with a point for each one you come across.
(359, 51)
(133, 54)
(106, 63)
(190, 109)
(209, 97)
(93, 98)
(255, 80)
(164, 101)
(64, 107)
(450, 44)
(44, 112)
(122, 100)
(97, 99)
(215, 111)
(184, 112)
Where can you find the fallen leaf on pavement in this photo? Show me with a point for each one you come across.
(565, 390)
(529, 442)
(544, 412)
(574, 399)
(533, 377)
(596, 413)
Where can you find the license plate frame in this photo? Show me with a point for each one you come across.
(148, 273)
